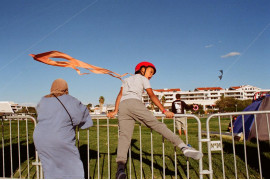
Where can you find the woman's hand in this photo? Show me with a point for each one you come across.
(111, 114)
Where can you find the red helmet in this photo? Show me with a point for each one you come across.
(144, 64)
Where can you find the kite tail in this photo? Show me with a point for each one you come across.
(73, 63)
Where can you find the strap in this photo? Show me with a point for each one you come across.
(65, 109)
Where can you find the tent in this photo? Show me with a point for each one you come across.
(260, 104)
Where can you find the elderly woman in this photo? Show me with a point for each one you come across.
(54, 136)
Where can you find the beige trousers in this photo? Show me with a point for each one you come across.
(132, 110)
(181, 123)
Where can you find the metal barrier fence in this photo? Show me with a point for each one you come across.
(248, 148)
(99, 117)
(10, 162)
(20, 160)
(96, 142)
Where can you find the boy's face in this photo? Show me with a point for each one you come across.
(149, 72)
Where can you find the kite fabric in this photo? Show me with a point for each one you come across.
(220, 77)
(72, 63)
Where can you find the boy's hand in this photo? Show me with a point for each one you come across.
(169, 114)
(111, 114)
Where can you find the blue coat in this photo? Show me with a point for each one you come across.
(54, 136)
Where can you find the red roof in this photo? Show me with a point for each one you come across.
(167, 90)
(208, 88)
(235, 87)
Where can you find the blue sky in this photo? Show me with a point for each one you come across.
(188, 41)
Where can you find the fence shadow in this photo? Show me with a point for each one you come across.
(252, 155)
(146, 160)
(156, 165)
(15, 157)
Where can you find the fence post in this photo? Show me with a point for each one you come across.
(3, 146)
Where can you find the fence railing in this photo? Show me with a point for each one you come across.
(15, 142)
(150, 155)
(217, 145)
(89, 137)
(100, 118)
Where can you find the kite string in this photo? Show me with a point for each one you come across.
(245, 50)
(11, 80)
(252, 42)
(25, 69)
(47, 35)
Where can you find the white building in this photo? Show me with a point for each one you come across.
(105, 109)
(205, 96)
(5, 108)
(15, 107)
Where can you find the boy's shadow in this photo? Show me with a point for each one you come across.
(146, 160)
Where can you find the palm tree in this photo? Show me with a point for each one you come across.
(152, 105)
(101, 102)
(163, 100)
(89, 106)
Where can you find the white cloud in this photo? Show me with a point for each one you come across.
(231, 54)
(208, 46)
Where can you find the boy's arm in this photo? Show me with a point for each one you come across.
(173, 107)
(156, 101)
(188, 107)
(117, 102)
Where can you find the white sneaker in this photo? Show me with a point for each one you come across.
(192, 153)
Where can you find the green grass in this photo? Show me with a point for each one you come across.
(146, 153)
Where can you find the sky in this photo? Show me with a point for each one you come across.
(188, 41)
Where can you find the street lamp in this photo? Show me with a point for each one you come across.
(236, 107)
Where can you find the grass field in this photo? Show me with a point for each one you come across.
(253, 168)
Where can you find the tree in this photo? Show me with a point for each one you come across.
(152, 105)
(32, 110)
(89, 106)
(163, 100)
(199, 111)
(242, 104)
(24, 109)
(229, 104)
(101, 102)
(226, 104)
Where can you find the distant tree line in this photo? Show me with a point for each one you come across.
(100, 105)
(230, 104)
(224, 104)
(27, 110)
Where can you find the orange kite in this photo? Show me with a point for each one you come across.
(72, 63)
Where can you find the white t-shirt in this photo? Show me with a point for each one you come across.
(134, 86)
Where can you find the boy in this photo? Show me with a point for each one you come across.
(230, 127)
(131, 108)
(178, 107)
